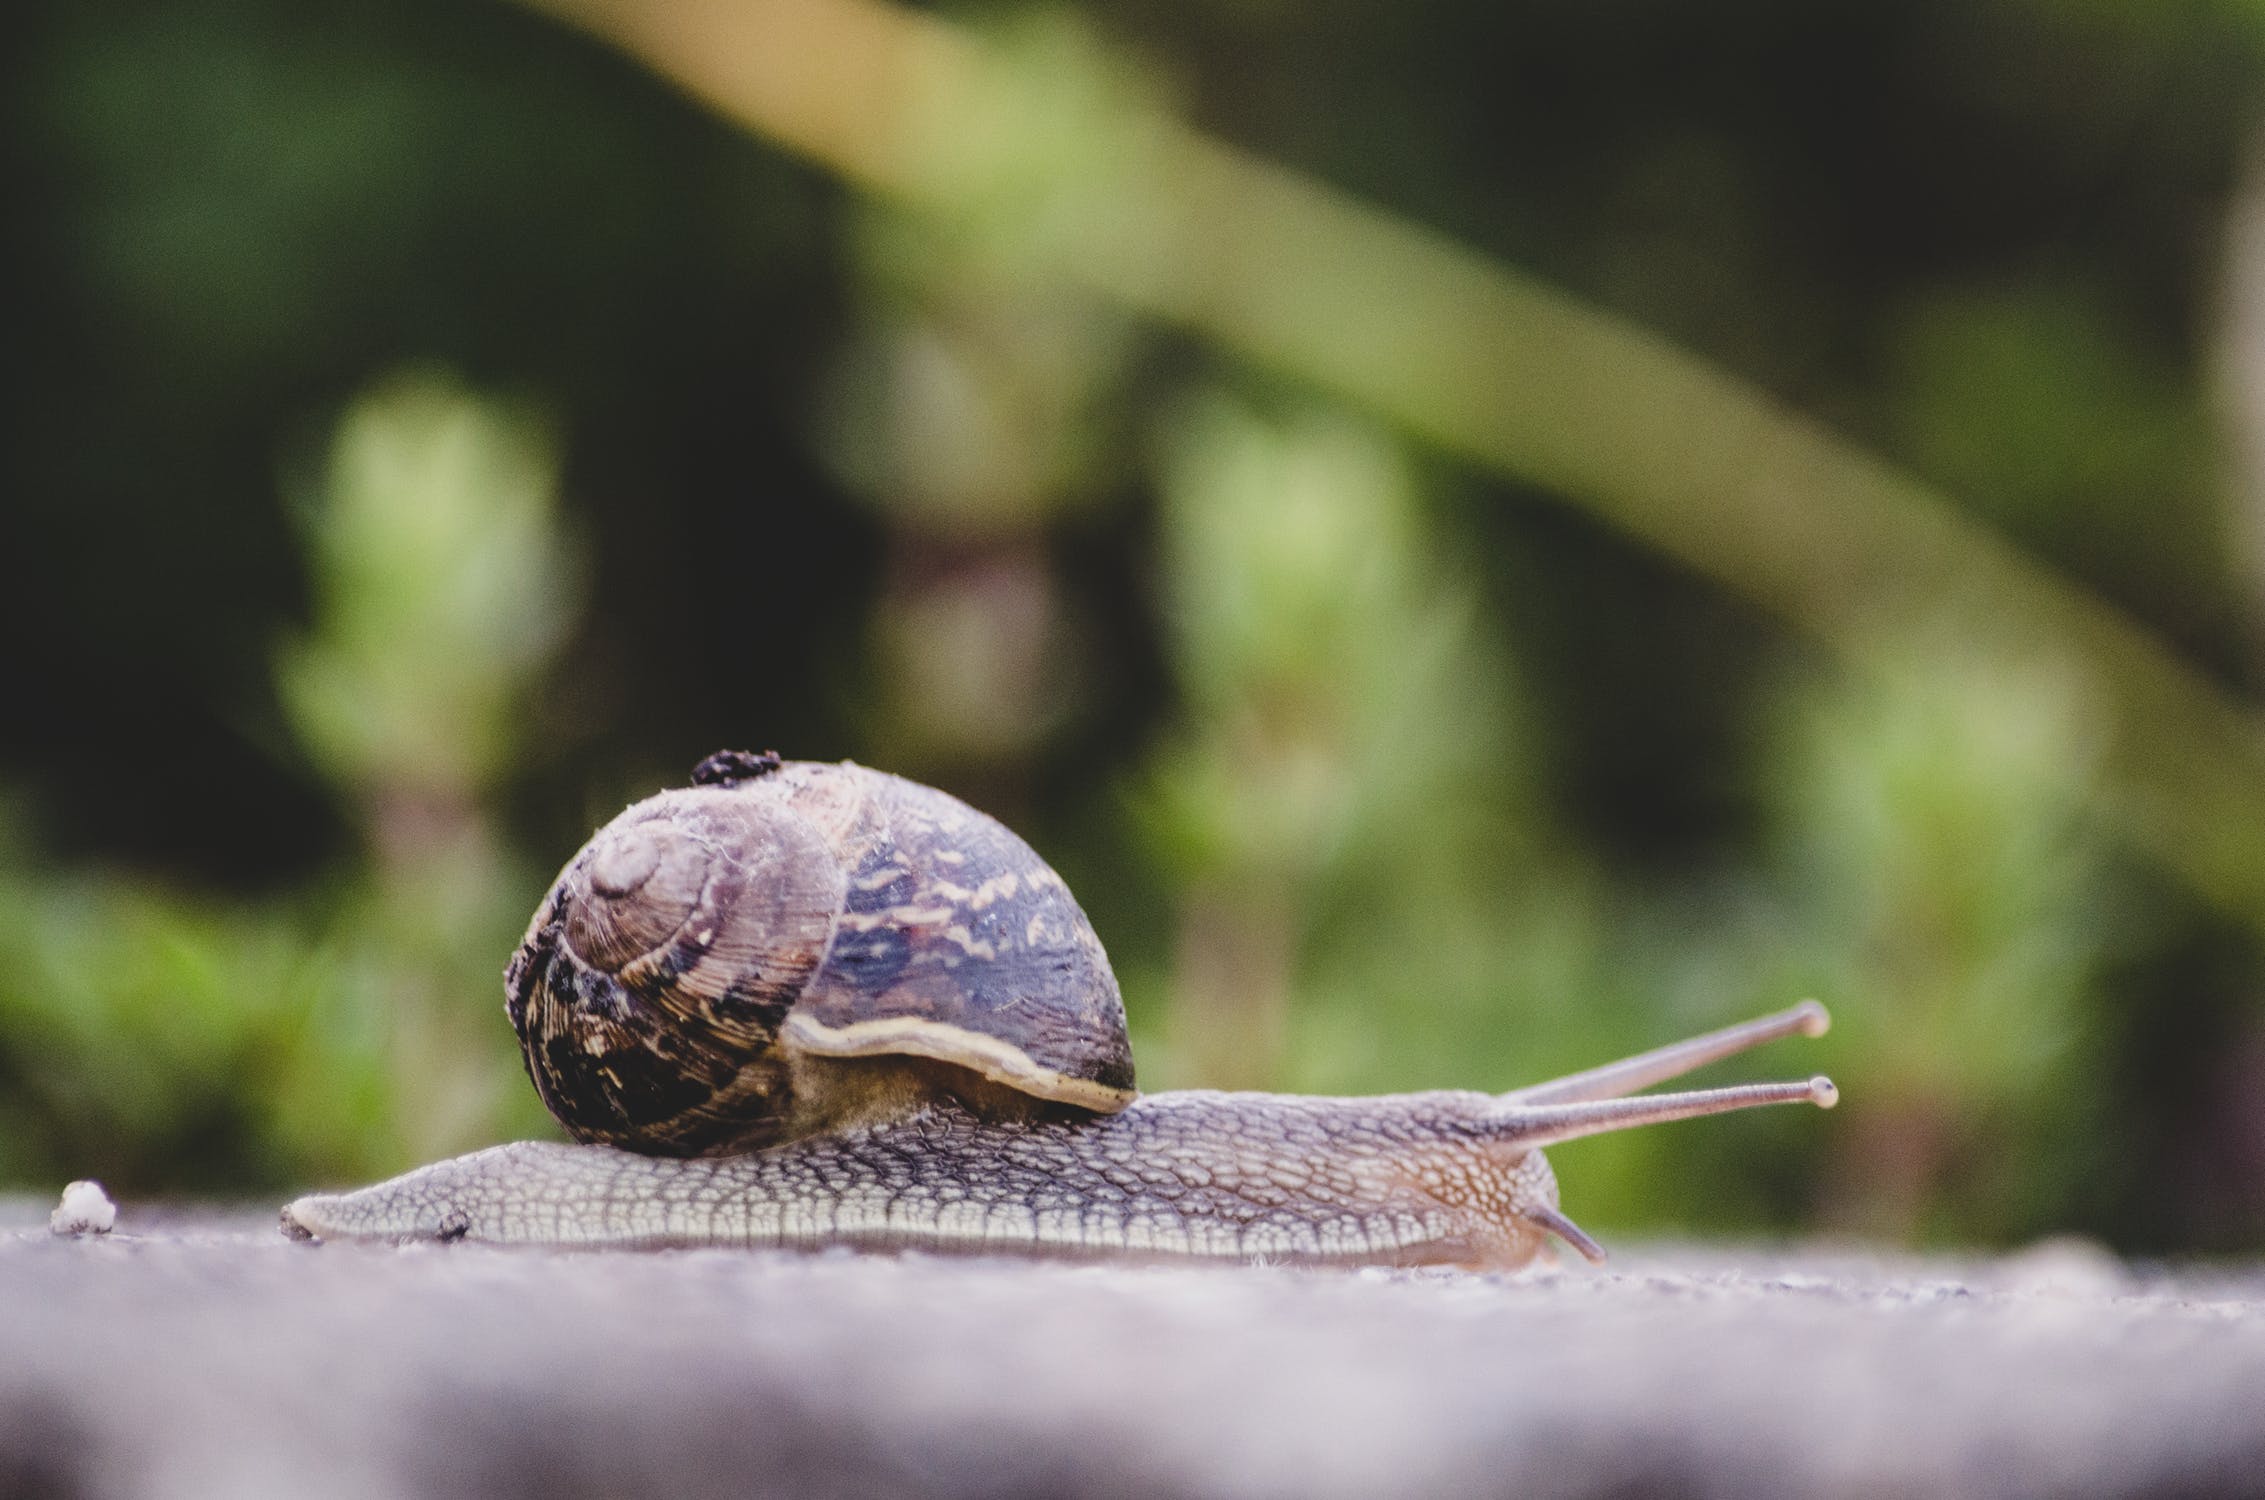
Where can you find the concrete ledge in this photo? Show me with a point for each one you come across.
(225, 1361)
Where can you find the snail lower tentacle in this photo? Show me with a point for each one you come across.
(1412, 1179)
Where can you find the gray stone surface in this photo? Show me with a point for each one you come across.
(213, 1358)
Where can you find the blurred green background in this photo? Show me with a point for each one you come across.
(429, 430)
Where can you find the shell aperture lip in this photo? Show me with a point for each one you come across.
(997, 1060)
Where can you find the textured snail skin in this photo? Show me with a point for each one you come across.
(1195, 1175)
(1407, 1179)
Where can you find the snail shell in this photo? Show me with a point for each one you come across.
(706, 973)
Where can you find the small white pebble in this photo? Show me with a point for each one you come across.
(2065, 1266)
(85, 1209)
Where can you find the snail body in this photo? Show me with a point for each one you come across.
(803, 1005)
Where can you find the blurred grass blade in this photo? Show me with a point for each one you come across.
(1487, 363)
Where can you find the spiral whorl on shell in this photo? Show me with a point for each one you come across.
(712, 946)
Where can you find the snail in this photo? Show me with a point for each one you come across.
(801, 1004)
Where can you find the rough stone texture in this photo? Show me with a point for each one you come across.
(217, 1359)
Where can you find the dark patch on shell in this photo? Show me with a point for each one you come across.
(631, 1093)
(617, 1068)
(527, 967)
(870, 962)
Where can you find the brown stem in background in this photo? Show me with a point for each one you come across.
(1890, 1159)
(1489, 364)
(969, 644)
(1231, 984)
